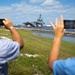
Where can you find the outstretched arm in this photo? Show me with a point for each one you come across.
(15, 35)
(55, 50)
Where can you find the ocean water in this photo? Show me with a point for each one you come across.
(50, 28)
(70, 39)
(47, 28)
(48, 35)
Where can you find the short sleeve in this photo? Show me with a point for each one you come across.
(58, 67)
(9, 50)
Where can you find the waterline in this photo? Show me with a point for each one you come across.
(49, 35)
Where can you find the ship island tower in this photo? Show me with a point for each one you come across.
(39, 23)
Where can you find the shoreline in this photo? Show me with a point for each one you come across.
(48, 31)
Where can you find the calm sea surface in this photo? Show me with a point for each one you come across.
(49, 35)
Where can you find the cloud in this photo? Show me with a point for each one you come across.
(26, 8)
(50, 9)
(52, 3)
(4, 9)
(36, 1)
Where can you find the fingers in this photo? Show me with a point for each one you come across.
(4, 21)
(52, 25)
(56, 23)
(64, 30)
(61, 21)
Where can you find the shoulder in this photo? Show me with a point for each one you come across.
(59, 63)
(58, 67)
(70, 62)
(63, 67)
(6, 43)
(8, 50)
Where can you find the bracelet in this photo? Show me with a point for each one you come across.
(11, 27)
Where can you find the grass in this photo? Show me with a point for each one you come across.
(24, 65)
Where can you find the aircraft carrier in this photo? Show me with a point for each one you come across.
(38, 23)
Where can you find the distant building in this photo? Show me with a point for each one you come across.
(38, 23)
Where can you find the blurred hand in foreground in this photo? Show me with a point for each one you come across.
(7, 23)
(58, 27)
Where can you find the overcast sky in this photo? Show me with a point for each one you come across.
(19, 11)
